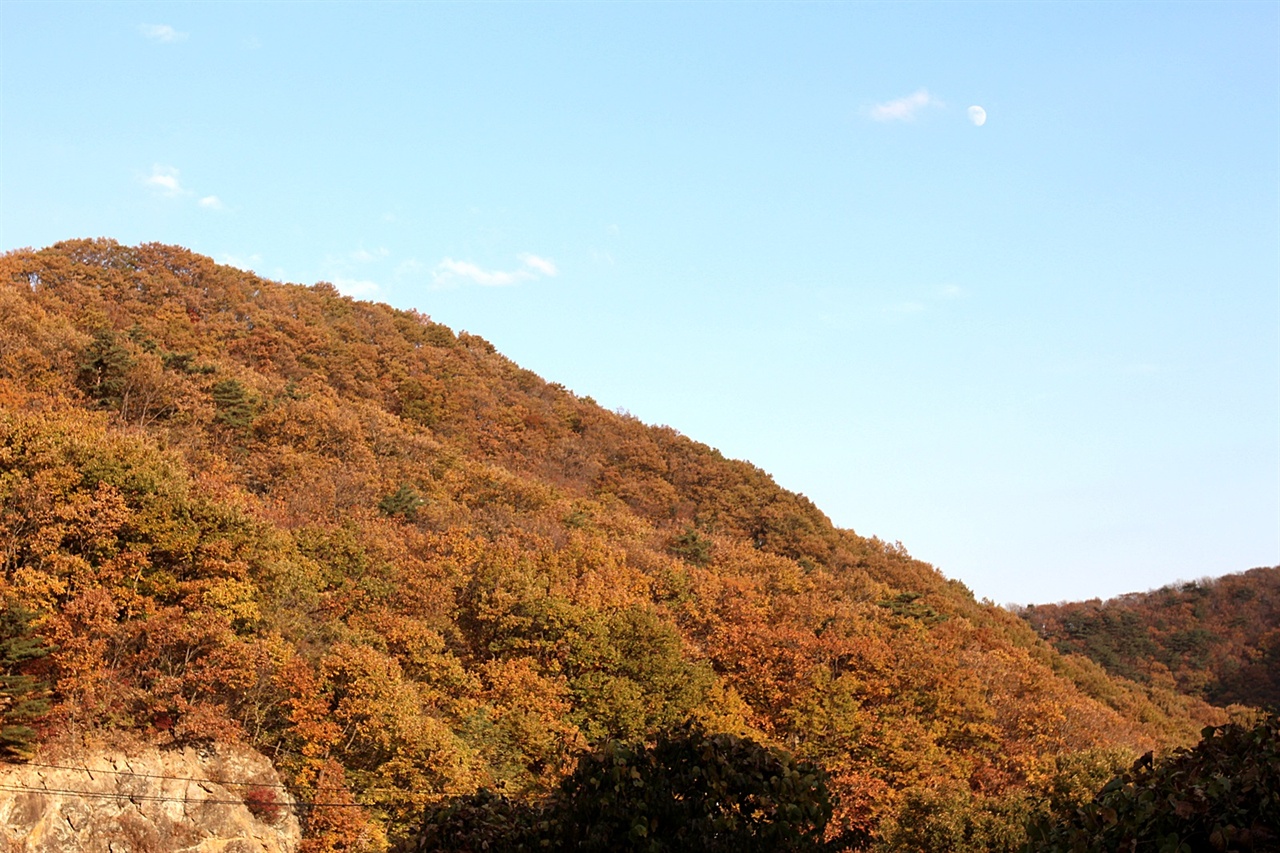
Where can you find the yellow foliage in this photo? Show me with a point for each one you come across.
(210, 572)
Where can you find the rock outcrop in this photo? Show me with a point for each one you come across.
(227, 800)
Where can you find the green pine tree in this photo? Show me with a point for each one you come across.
(103, 368)
(24, 699)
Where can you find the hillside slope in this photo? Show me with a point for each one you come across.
(236, 510)
(1217, 639)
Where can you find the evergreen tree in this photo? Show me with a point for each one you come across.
(236, 408)
(103, 368)
(23, 697)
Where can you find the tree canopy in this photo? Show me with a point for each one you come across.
(409, 570)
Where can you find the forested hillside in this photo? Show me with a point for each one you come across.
(1217, 639)
(404, 568)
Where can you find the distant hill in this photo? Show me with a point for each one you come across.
(239, 511)
(1216, 639)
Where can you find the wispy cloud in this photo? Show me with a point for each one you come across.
(243, 262)
(451, 273)
(365, 256)
(349, 271)
(906, 108)
(410, 269)
(165, 180)
(357, 287)
(542, 265)
(162, 33)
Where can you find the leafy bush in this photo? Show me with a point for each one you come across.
(485, 820)
(692, 790)
(264, 803)
(958, 821)
(1222, 794)
(689, 790)
(692, 547)
(403, 502)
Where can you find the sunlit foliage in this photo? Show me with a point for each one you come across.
(1216, 638)
(1222, 794)
(409, 570)
(687, 790)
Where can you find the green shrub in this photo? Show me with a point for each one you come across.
(688, 790)
(403, 502)
(236, 408)
(1223, 794)
(692, 547)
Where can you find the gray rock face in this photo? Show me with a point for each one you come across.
(147, 801)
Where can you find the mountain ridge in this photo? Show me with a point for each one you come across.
(1217, 638)
(381, 552)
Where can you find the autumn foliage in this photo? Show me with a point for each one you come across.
(409, 570)
(1218, 639)
(1222, 794)
(686, 790)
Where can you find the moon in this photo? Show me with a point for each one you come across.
(977, 115)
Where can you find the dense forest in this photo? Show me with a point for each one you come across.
(1217, 639)
(419, 577)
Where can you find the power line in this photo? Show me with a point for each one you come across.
(133, 798)
(107, 795)
(223, 782)
(152, 775)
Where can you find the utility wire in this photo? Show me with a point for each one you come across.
(150, 775)
(223, 782)
(107, 795)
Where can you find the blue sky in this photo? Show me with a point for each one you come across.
(1043, 352)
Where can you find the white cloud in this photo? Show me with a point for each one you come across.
(904, 109)
(162, 33)
(212, 202)
(250, 262)
(341, 271)
(952, 291)
(364, 256)
(451, 273)
(164, 179)
(542, 265)
(408, 269)
(355, 286)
